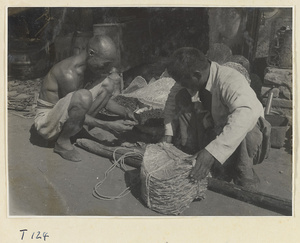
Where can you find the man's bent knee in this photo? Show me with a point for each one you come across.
(253, 141)
(82, 98)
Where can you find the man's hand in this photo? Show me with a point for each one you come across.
(166, 138)
(202, 167)
(130, 115)
(121, 125)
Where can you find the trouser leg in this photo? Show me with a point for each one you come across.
(189, 130)
(239, 166)
(248, 154)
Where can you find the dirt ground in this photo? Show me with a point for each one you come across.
(40, 182)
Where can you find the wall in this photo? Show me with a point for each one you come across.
(271, 20)
(227, 26)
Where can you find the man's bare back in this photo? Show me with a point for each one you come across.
(66, 79)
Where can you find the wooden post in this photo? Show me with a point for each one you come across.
(260, 199)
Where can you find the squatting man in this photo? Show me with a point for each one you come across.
(64, 105)
(213, 113)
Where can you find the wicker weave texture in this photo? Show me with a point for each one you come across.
(166, 187)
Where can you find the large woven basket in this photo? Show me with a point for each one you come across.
(166, 187)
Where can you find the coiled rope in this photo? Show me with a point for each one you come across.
(121, 162)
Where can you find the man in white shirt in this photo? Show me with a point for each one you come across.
(225, 127)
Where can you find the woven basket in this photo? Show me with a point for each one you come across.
(166, 187)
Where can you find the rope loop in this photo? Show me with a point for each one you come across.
(121, 163)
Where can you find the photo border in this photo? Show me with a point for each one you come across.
(149, 229)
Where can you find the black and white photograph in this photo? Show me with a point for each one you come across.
(150, 111)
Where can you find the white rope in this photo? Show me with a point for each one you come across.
(116, 162)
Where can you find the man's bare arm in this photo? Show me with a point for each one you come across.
(120, 110)
(114, 126)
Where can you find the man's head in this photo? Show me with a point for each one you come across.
(189, 67)
(102, 54)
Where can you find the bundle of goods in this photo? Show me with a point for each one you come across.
(219, 52)
(166, 187)
(241, 60)
(22, 95)
(131, 103)
(154, 94)
(239, 68)
(149, 116)
(128, 102)
(147, 100)
(138, 83)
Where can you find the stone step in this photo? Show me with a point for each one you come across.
(277, 102)
(276, 76)
(286, 93)
(265, 91)
(281, 91)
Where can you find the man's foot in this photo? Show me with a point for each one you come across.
(249, 183)
(72, 155)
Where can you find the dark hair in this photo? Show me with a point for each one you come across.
(185, 61)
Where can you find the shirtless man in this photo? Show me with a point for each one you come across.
(64, 106)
